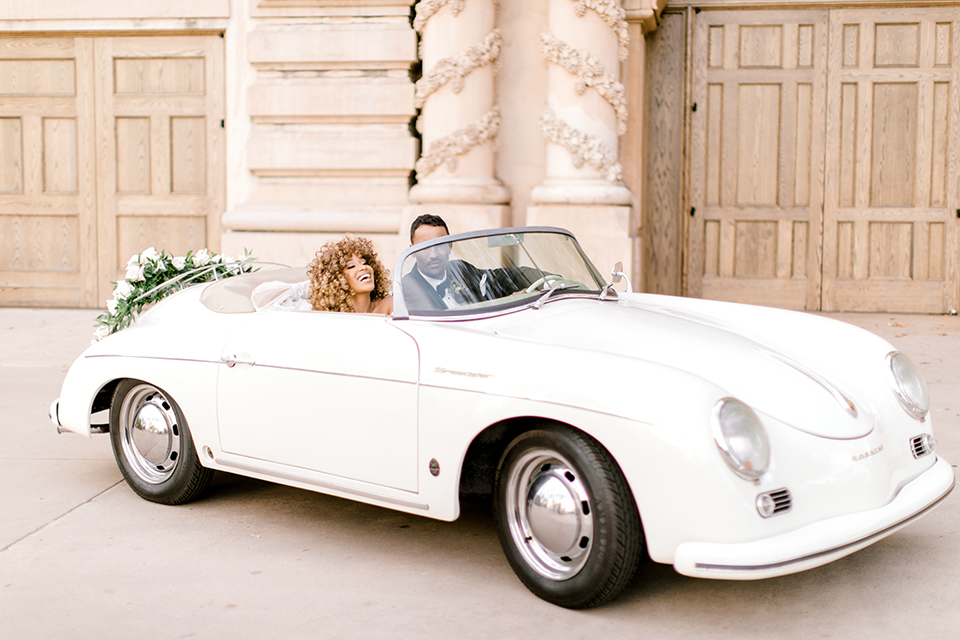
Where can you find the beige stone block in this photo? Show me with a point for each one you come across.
(302, 219)
(313, 8)
(298, 249)
(332, 148)
(368, 41)
(604, 233)
(353, 97)
(338, 191)
(112, 9)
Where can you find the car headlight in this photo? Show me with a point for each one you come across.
(741, 438)
(908, 385)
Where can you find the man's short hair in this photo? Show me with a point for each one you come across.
(428, 220)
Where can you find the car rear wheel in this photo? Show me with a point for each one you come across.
(153, 446)
(566, 519)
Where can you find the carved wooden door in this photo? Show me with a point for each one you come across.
(890, 221)
(107, 146)
(823, 182)
(47, 172)
(160, 161)
(756, 165)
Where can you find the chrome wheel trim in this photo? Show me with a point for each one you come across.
(150, 434)
(550, 515)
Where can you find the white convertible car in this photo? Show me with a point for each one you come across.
(731, 441)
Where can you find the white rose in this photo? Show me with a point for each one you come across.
(135, 273)
(216, 258)
(179, 263)
(100, 334)
(134, 259)
(150, 254)
(201, 258)
(122, 290)
(112, 306)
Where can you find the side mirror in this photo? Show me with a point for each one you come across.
(617, 275)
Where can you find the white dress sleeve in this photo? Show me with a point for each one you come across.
(282, 296)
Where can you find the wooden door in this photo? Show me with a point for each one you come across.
(160, 164)
(890, 227)
(756, 166)
(47, 172)
(107, 146)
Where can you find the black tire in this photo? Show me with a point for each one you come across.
(153, 445)
(581, 543)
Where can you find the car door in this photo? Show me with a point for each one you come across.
(321, 391)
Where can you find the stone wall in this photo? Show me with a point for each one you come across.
(329, 149)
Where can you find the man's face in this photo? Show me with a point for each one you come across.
(433, 261)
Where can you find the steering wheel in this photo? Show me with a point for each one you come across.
(541, 281)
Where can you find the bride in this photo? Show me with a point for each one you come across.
(348, 276)
(345, 276)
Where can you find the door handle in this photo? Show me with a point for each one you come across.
(231, 361)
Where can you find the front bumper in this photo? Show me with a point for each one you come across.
(818, 543)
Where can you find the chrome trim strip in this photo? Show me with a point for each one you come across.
(552, 403)
(580, 294)
(356, 376)
(325, 485)
(123, 355)
(866, 539)
(258, 364)
(838, 395)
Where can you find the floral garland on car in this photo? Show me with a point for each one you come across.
(149, 272)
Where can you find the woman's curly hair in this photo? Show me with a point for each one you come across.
(329, 290)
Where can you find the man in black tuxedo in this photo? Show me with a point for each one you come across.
(437, 283)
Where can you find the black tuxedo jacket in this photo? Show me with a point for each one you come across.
(470, 285)
(420, 295)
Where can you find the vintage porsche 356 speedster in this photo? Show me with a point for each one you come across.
(731, 441)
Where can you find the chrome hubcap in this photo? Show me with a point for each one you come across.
(550, 514)
(150, 434)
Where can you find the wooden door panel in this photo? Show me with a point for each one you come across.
(160, 75)
(889, 236)
(47, 179)
(756, 157)
(177, 234)
(188, 153)
(11, 155)
(107, 146)
(160, 146)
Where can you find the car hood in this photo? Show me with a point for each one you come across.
(787, 383)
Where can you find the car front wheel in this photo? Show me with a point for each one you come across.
(566, 518)
(153, 446)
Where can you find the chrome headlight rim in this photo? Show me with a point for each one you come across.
(899, 364)
(746, 469)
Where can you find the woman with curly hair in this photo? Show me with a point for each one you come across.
(348, 276)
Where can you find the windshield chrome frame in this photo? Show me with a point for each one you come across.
(400, 308)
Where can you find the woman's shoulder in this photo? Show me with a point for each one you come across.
(384, 306)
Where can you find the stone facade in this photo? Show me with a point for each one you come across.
(357, 115)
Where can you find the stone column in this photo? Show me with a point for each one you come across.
(584, 115)
(459, 118)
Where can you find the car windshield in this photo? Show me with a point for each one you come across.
(484, 273)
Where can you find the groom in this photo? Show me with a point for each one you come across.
(437, 283)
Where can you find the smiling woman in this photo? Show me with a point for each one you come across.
(348, 276)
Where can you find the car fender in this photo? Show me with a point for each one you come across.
(190, 383)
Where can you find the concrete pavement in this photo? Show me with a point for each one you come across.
(82, 557)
